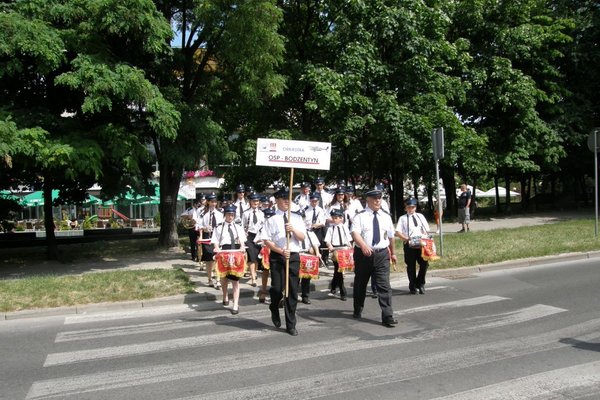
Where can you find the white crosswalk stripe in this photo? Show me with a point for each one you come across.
(560, 384)
(333, 341)
(160, 346)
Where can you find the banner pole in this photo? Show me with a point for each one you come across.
(288, 235)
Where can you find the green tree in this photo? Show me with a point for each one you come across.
(226, 63)
(75, 97)
(513, 78)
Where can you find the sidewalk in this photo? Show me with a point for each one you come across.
(205, 293)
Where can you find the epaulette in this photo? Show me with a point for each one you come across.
(298, 212)
(385, 212)
(220, 223)
(361, 211)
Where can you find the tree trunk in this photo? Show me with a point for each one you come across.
(447, 175)
(397, 197)
(51, 245)
(498, 208)
(169, 187)
(507, 194)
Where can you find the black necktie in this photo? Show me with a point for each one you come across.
(285, 219)
(339, 229)
(375, 229)
(415, 221)
(321, 201)
(254, 218)
(314, 219)
(241, 209)
(213, 219)
(231, 235)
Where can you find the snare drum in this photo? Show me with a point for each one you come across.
(345, 259)
(309, 266)
(230, 263)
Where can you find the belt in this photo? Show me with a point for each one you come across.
(374, 250)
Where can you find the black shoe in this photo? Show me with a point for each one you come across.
(225, 302)
(275, 318)
(421, 289)
(306, 300)
(235, 312)
(412, 291)
(373, 295)
(332, 291)
(343, 298)
(292, 331)
(357, 313)
(389, 322)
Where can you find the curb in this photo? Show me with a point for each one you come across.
(323, 282)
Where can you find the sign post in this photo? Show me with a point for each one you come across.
(437, 140)
(292, 154)
(593, 142)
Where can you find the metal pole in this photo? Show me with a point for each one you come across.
(596, 180)
(437, 179)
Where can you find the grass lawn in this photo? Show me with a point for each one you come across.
(54, 291)
(486, 247)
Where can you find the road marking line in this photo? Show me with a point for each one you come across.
(565, 383)
(164, 345)
(178, 324)
(453, 304)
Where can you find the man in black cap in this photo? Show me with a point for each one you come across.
(252, 221)
(325, 198)
(212, 217)
(303, 199)
(276, 230)
(373, 233)
(413, 225)
(240, 203)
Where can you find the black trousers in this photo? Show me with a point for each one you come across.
(305, 287)
(193, 235)
(376, 265)
(277, 268)
(411, 258)
(338, 279)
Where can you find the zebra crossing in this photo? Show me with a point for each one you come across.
(189, 355)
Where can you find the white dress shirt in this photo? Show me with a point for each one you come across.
(363, 225)
(274, 230)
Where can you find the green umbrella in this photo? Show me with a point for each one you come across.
(7, 195)
(91, 199)
(37, 198)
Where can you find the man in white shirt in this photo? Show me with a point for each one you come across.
(212, 217)
(276, 232)
(326, 198)
(373, 234)
(252, 221)
(303, 199)
(240, 203)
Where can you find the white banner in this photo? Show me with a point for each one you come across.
(293, 154)
(188, 191)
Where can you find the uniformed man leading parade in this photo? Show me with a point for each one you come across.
(373, 234)
(274, 235)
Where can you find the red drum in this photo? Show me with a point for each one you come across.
(230, 262)
(264, 253)
(309, 266)
(345, 259)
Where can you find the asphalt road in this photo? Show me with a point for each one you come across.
(530, 333)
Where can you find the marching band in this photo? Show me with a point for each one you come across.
(253, 234)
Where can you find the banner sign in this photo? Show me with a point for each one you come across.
(293, 154)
